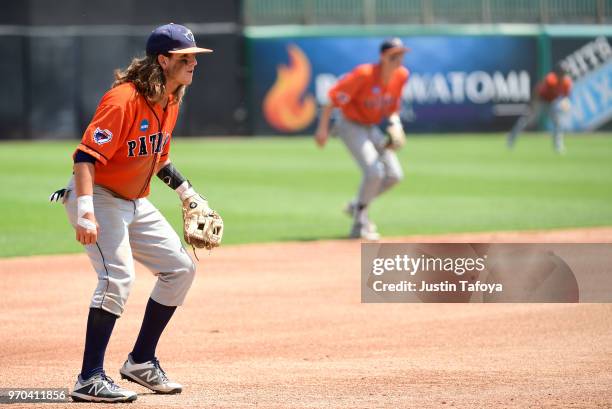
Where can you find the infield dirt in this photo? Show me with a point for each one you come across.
(282, 326)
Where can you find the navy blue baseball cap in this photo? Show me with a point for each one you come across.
(393, 45)
(174, 39)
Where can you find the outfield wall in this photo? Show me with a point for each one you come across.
(463, 78)
(59, 57)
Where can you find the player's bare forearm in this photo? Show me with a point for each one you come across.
(83, 178)
(322, 132)
(325, 116)
(86, 228)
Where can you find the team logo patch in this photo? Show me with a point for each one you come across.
(342, 97)
(144, 125)
(102, 136)
(189, 36)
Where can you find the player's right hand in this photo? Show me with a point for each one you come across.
(321, 136)
(86, 235)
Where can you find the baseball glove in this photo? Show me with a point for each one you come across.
(396, 138)
(564, 104)
(202, 226)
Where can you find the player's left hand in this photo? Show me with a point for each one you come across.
(202, 226)
(564, 105)
(397, 137)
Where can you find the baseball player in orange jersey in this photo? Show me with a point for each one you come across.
(124, 146)
(366, 96)
(551, 96)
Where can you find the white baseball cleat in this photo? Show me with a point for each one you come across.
(150, 375)
(350, 208)
(359, 231)
(100, 388)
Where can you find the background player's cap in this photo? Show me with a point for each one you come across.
(393, 45)
(174, 39)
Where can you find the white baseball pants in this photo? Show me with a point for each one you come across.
(380, 167)
(551, 109)
(133, 229)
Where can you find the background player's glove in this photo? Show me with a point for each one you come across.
(395, 133)
(564, 104)
(202, 226)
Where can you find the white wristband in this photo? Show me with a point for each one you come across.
(85, 205)
(395, 120)
(185, 191)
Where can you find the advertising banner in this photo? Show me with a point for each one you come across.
(457, 83)
(589, 62)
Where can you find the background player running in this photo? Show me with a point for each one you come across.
(126, 143)
(366, 96)
(550, 97)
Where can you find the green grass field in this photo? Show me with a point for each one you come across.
(275, 189)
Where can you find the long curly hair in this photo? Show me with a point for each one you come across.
(148, 77)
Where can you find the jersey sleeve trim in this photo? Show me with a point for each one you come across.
(81, 156)
(88, 149)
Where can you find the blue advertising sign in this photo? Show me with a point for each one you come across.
(457, 83)
(589, 62)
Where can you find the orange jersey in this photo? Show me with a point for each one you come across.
(128, 140)
(552, 87)
(363, 98)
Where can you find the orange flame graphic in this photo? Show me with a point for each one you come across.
(283, 106)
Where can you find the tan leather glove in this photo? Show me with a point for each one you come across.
(202, 226)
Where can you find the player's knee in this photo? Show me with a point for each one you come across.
(172, 287)
(185, 271)
(188, 279)
(128, 286)
(395, 177)
(113, 291)
(375, 172)
(189, 274)
(187, 265)
(126, 289)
